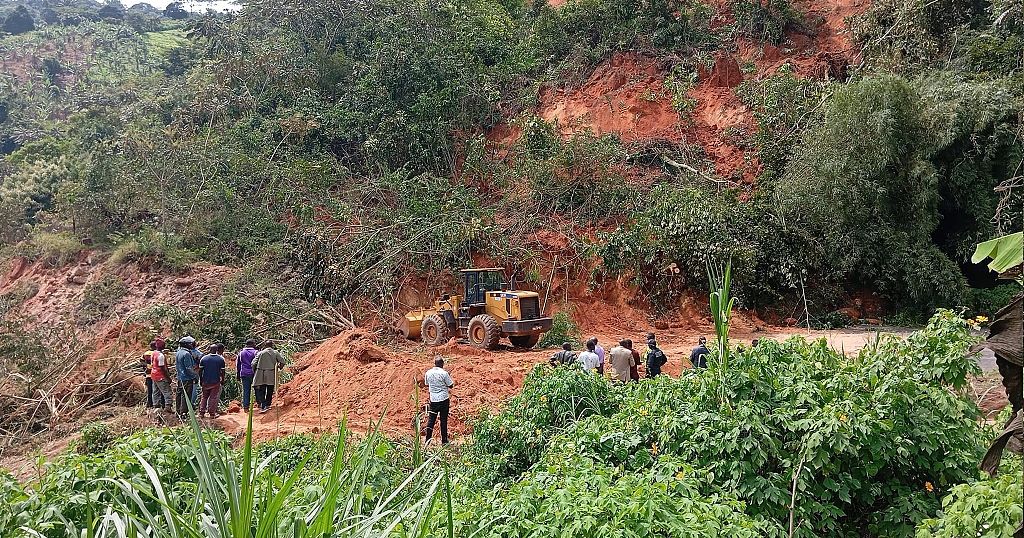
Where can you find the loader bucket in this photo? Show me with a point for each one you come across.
(409, 325)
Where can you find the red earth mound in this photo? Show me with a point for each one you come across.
(349, 375)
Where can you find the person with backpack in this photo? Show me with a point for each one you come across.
(655, 359)
(245, 371)
(564, 356)
(211, 379)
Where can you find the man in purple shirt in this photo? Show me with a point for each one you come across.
(243, 366)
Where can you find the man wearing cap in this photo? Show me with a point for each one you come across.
(161, 376)
(188, 374)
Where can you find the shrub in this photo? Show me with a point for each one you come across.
(99, 299)
(766, 21)
(149, 246)
(96, 437)
(866, 433)
(551, 399)
(56, 248)
(563, 329)
(988, 301)
(986, 508)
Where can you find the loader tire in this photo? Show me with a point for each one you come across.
(524, 341)
(434, 330)
(484, 332)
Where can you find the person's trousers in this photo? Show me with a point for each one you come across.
(186, 394)
(438, 409)
(246, 391)
(150, 402)
(264, 396)
(209, 401)
(163, 398)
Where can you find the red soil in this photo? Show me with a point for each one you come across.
(626, 96)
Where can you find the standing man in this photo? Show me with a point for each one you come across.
(188, 374)
(161, 377)
(699, 355)
(245, 371)
(655, 359)
(438, 382)
(589, 360)
(600, 355)
(146, 363)
(622, 361)
(211, 378)
(634, 371)
(564, 356)
(268, 362)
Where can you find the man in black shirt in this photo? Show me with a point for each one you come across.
(699, 355)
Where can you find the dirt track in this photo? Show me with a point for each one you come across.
(350, 376)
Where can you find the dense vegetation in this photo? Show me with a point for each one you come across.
(788, 436)
(173, 140)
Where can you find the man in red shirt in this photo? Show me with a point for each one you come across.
(161, 375)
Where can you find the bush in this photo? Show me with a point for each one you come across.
(56, 248)
(988, 301)
(551, 399)
(563, 329)
(986, 508)
(867, 433)
(766, 21)
(99, 299)
(96, 437)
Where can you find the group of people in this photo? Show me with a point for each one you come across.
(624, 361)
(174, 381)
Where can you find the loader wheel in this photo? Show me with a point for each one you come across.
(484, 331)
(524, 341)
(434, 330)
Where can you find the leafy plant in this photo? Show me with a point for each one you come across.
(563, 329)
(99, 299)
(987, 508)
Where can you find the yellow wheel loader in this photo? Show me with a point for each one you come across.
(483, 314)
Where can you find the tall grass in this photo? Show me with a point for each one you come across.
(237, 496)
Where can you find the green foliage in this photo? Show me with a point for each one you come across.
(150, 247)
(55, 248)
(987, 508)
(766, 21)
(563, 329)
(570, 495)
(551, 399)
(988, 301)
(583, 32)
(177, 482)
(29, 350)
(99, 299)
(96, 437)
(907, 163)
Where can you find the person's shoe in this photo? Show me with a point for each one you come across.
(264, 411)
(214, 415)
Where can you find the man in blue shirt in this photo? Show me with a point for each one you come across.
(211, 377)
(188, 373)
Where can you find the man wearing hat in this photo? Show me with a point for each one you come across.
(187, 365)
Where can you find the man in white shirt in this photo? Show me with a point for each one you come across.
(589, 360)
(438, 382)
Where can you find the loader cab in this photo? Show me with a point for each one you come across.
(480, 281)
